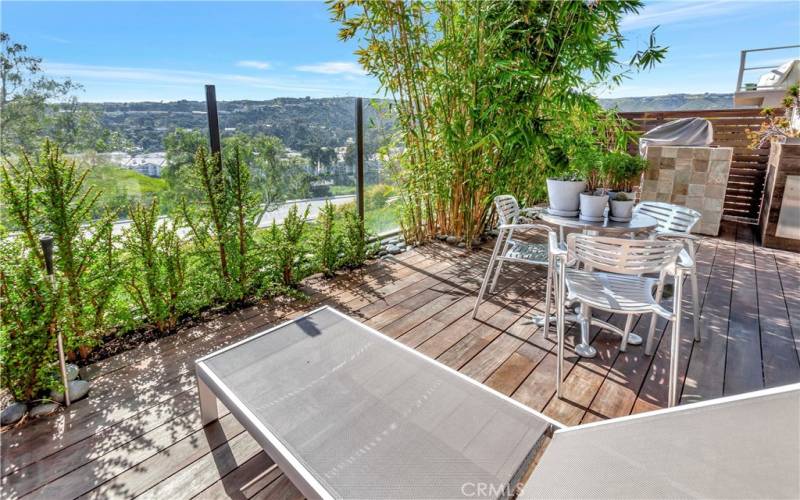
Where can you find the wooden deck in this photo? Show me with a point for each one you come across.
(139, 433)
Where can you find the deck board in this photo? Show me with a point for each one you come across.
(139, 434)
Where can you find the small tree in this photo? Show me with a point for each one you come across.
(328, 241)
(156, 266)
(49, 196)
(224, 220)
(285, 241)
(28, 305)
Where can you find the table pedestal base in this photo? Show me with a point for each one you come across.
(584, 349)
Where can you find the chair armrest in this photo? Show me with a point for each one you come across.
(670, 235)
(685, 263)
(542, 227)
(554, 247)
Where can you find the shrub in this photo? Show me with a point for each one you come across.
(156, 266)
(328, 240)
(357, 246)
(285, 242)
(28, 308)
(376, 196)
(48, 196)
(223, 223)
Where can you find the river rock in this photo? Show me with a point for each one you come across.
(393, 249)
(72, 372)
(77, 390)
(13, 413)
(452, 240)
(441, 237)
(43, 410)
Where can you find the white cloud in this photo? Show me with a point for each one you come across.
(153, 76)
(669, 12)
(332, 68)
(254, 64)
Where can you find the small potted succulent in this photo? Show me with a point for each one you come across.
(594, 200)
(622, 170)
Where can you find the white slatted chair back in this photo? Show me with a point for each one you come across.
(622, 255)
(671, 218)
(507, 209)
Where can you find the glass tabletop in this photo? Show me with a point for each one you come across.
(637, 224)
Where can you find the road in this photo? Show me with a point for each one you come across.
(277, 215)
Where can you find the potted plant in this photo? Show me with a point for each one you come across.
(621, 171)
(785, 128)
(594, 199)
(562, 193)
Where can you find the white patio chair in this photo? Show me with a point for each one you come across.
(612, 281)
(506, 248)
(675, 223)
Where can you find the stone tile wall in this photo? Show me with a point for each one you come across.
(695, 177)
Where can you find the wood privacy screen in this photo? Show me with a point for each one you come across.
(748, 167)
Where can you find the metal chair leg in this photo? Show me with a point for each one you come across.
(486, 277)
(628, 325)
(559, 290)
(675, 345)
(648, 348)
(583, 348)
(496, 276)
(547, 298)
(695, 305)
(695, 294)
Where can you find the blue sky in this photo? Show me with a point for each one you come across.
(259, 50)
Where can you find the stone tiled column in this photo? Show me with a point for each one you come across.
(695, 177)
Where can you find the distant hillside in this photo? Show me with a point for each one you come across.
(670, 102)
(302, 123)
(307, 124)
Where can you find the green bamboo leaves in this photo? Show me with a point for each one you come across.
(491, 95)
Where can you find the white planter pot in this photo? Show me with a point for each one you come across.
(563, 195)
(593, 206)
(622, 209)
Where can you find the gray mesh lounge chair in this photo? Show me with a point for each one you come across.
(745, 446)
(346, 412)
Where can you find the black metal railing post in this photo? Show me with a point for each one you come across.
(360, 158)
(213, 121)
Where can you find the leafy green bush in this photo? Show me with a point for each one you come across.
(285, 242)
(223, 222)
(376, 196)
(48, 195)
(328, 239)
(224, 259)
(155, 267)
(357, 246)
(28, 308)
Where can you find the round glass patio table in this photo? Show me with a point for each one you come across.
(638, 224)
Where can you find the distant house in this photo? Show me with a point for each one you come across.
(149, 164)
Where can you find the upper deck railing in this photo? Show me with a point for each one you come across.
(750, 87)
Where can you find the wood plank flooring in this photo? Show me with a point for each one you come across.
(139, 434)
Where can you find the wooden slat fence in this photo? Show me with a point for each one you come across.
(749, 167)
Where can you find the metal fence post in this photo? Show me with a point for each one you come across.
(360, 158)
(213, 122)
